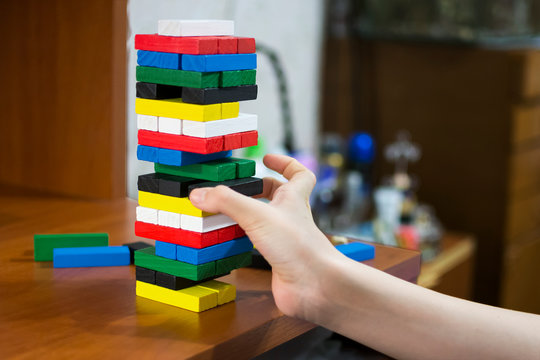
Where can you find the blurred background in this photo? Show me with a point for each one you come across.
(420, 118)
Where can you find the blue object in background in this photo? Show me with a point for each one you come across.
(214, 252)
(181, 158)
(361, 148)
(91, 256)
(166, 250)
(159, 59)
(222, 62)
(357, 251)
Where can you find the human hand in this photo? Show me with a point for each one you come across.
(282, 230)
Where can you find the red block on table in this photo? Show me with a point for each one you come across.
(246, 45)
(180, 142)
(195, 45)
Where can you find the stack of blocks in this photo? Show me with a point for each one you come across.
(190, 78)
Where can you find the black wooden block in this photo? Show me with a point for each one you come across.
(258, 261)
(134, 246)
(175, 185)
(158, 91)
(145, 275)
(177, 283)
(219, 95)
(148, 183)
(248, 186)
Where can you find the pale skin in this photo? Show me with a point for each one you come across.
(313, 281)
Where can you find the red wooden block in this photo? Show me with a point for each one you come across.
(239, 232)
(195, 45)
(176, 236)
(180, 142)
(232, 141)
(227, 233)
(246, 45)
(227, 45)
(249, 138)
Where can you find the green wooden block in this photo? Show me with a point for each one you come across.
(217, 170)
(228, 264)
(148, 259)
(244, 167)
(238, 78)
(44, 244)
(177, 77)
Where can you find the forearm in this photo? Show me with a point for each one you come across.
(406, 321)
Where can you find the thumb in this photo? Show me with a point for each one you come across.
(247, 212)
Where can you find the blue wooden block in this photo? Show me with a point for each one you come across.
(159, 59)
(214, 252)
(147, 153)
(181, 158)
(357, 251)
(225, 62)
(166, 250)
(91, 256)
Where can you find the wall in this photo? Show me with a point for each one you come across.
(292, 28)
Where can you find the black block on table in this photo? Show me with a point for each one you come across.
(134, 246)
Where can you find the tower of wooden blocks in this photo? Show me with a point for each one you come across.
(190, 78)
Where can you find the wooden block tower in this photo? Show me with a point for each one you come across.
(190, 78)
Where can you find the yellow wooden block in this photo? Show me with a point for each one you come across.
(175, 108)
(170, 203)
(194, 298)
(230, 110)
(226, 292)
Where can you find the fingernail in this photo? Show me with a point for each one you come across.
(198, 196)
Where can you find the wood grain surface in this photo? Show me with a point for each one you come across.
(94, 313)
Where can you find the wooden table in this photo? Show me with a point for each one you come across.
(94, 313)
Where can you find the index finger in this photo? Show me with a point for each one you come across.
(298, 175)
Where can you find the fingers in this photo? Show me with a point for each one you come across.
(221, 199)
(270, 185)
(299, 176)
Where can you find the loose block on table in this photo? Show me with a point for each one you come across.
(175, 108)
(357, 251)
(91, 256)
(158, 91)
(134, 246)
(225, 62)
(195, 27)
(170, 203)
(226, 292)
(148, 259)
(161, 59)
(208, 254)
(240, 124)
(227, 265)
(145, 275)
(219, 95)
(247, 186)
(172, 44)
(45, 243)
(216, 170)
(176, 157)
(193, 298)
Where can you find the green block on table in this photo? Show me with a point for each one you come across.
(238, 78)
(217, 170)
(227, 265)
(148, 259)
(44, 244)
(192, 79)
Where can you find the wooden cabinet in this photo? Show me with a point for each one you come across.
(476, 114)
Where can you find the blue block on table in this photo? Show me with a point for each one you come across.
(181, 158)
(357, 251)
(214, 252)
(225, 62)
(159, 59)
(147, 153)
(166, 250)
(91, 256)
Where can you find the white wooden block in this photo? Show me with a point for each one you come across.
(244, 122)
(170, 219)
(170, 125)
(195, 27)
(147, 215)
(207, 223)
(147, 122)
